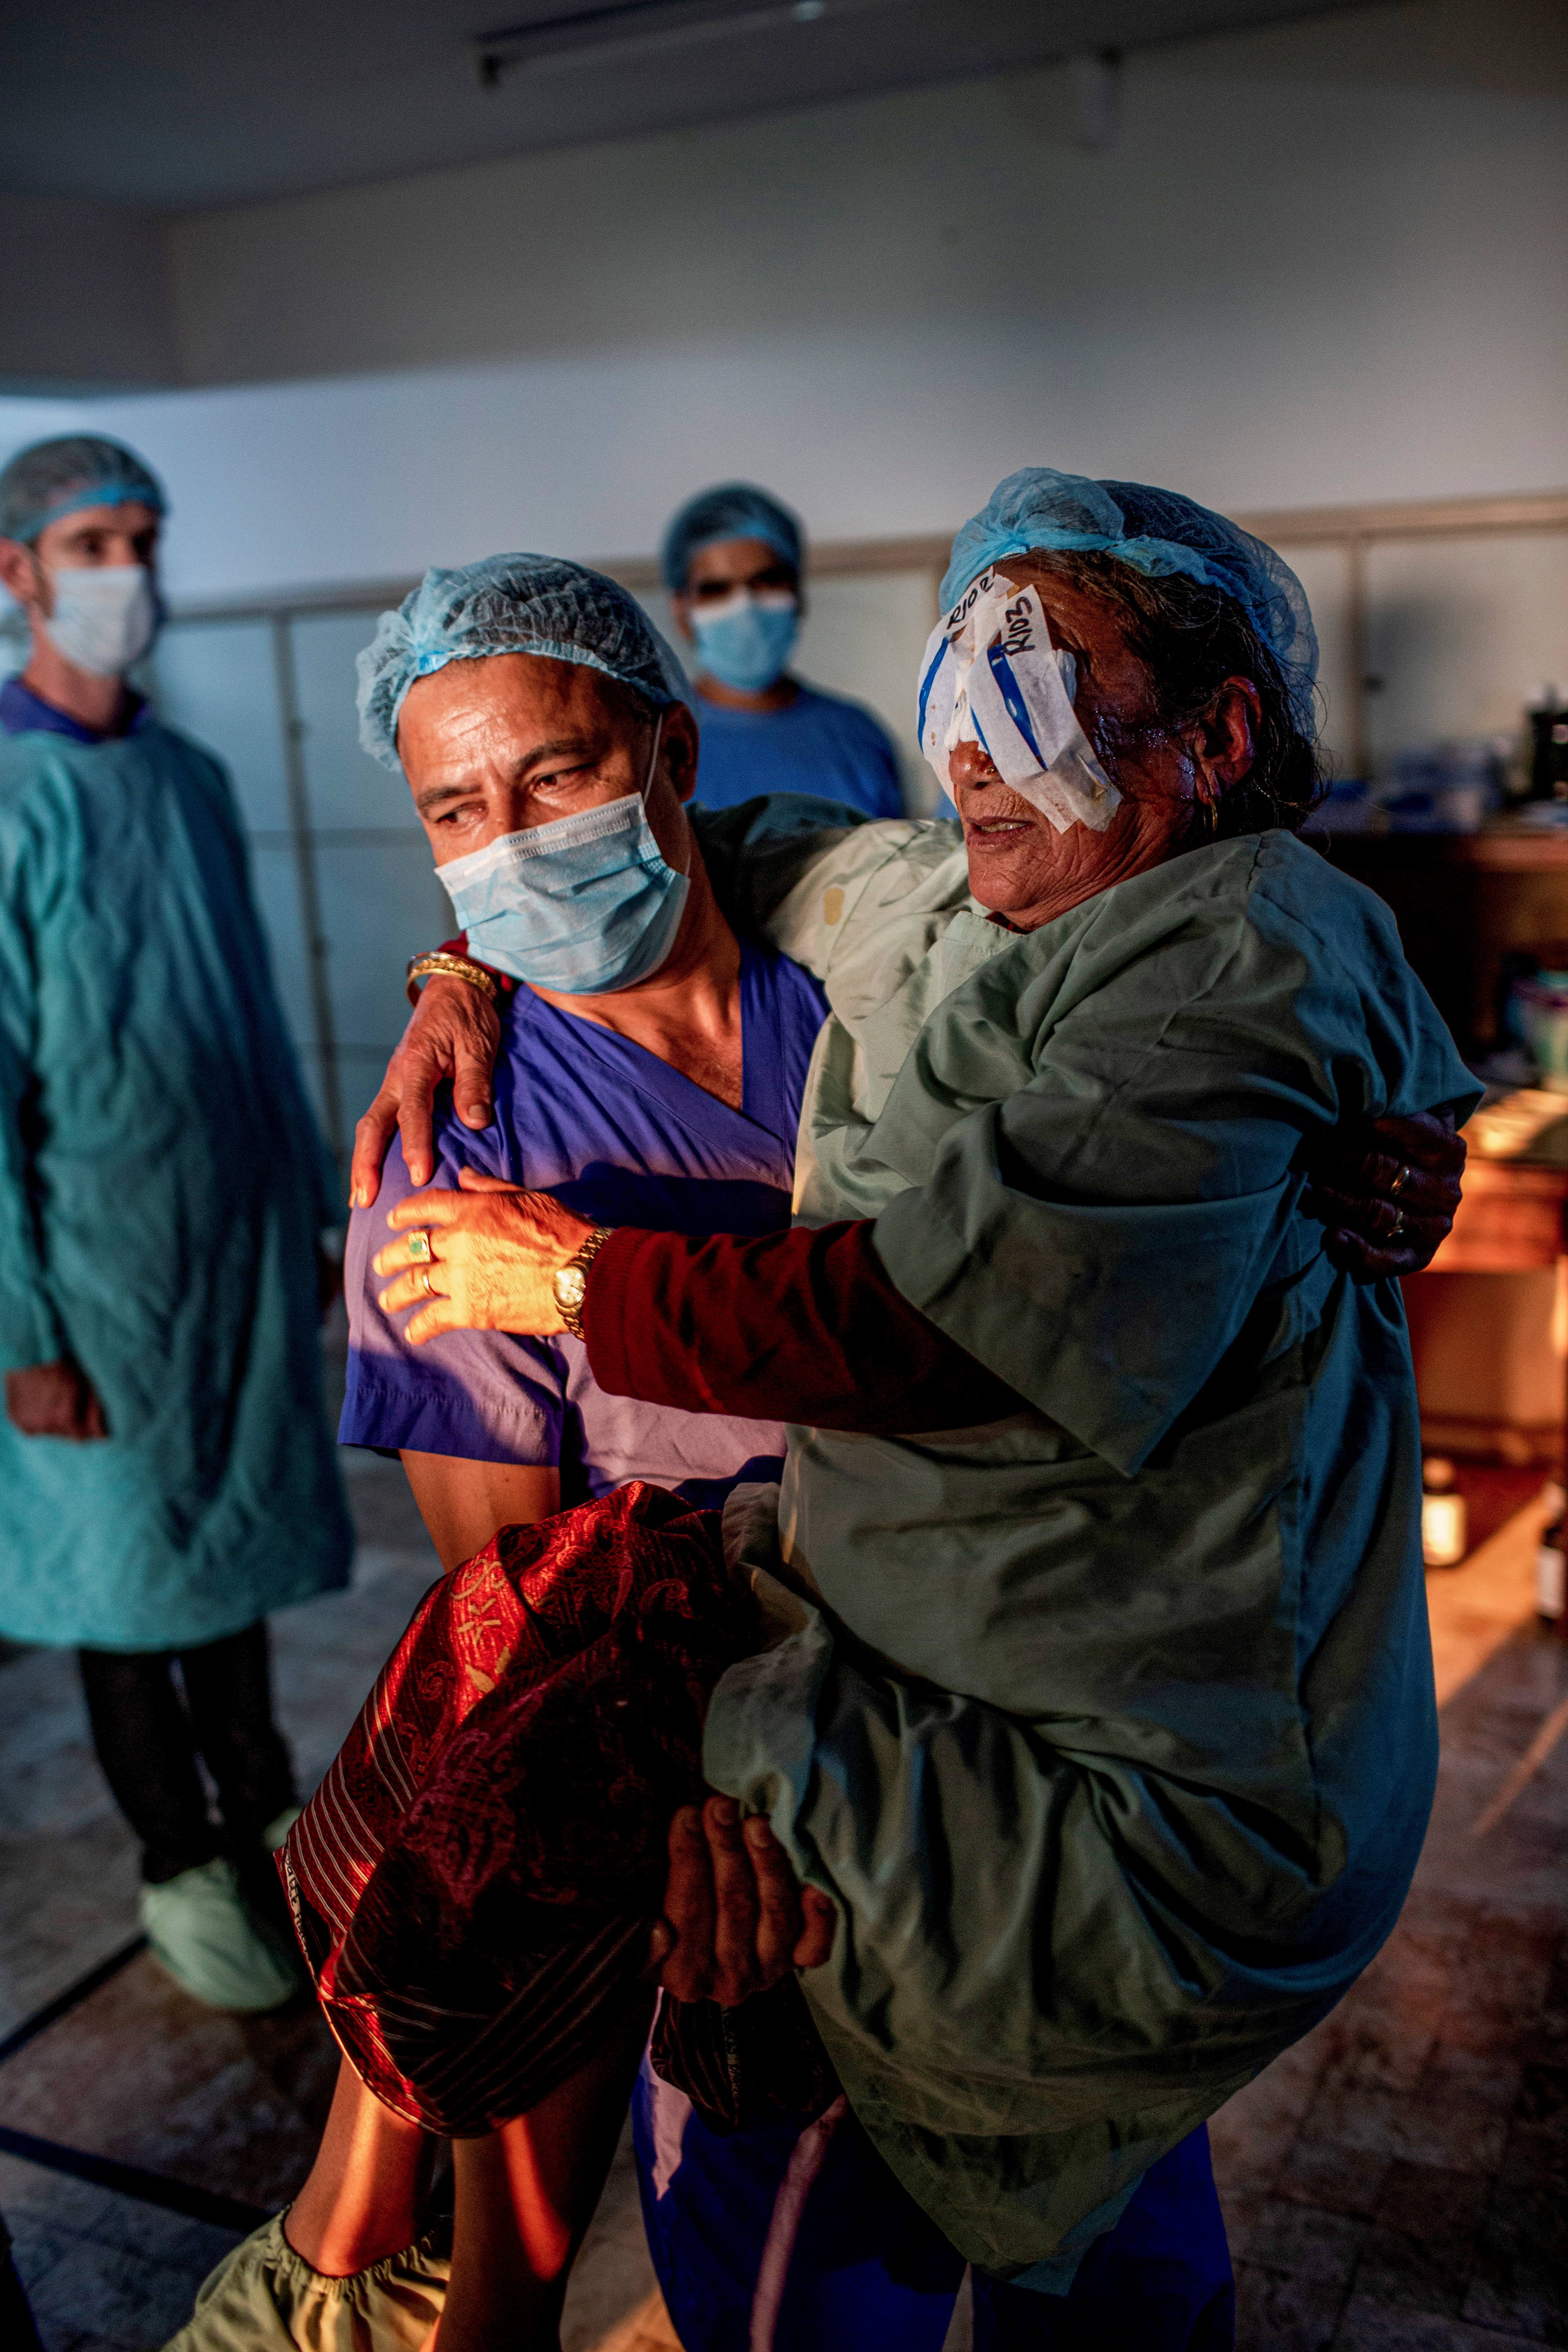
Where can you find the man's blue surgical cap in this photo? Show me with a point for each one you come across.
(1157, 532)
(509, 605)
(731, 510)
(51, 479)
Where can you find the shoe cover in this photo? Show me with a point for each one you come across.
(264, 2297)
(203, 1931)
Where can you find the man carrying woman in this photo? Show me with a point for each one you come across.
(1081, 1368)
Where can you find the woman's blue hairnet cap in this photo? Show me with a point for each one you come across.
(51, 479)
(1157, 532)
(509, 605)
(731, 510)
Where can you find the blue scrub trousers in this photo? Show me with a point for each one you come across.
(779, 2240)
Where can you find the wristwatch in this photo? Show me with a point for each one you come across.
(571, 1284)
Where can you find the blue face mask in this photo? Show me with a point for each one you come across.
(585, 906)
(746, 642)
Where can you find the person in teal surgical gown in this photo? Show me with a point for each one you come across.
(166, 1466)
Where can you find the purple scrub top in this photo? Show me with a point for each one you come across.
(622, 1139)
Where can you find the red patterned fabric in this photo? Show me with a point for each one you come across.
(474, 1881)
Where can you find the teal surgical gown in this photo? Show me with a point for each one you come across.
(1110, 1726)
(161, 1187)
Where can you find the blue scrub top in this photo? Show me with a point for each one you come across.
(622, 1139)
(819, 744)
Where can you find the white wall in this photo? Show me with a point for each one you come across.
(1321, 263)
(1295, 278)
(23, 419)
(1318, 264)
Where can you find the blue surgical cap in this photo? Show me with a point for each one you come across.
(731, 510)
(51, 479)
(1157, 532)
(509, 605)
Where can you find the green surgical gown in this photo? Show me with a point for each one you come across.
(1111, 1725)
(161, 1187)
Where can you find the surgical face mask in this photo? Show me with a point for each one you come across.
(585, 906)
(991, 676)
(105, 617)
(745, 640)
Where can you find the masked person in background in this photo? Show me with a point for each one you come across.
(731, 563)
(167, 1471)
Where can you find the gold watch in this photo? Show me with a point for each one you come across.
(570, 1285)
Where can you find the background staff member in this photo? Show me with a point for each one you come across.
(733, 566)
(166, 1463)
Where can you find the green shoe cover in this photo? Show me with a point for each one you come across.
(201, 1928)
(264, 2297)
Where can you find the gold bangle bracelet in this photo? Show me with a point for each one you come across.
(451, 967)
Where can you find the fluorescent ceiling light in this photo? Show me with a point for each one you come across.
(630, 27)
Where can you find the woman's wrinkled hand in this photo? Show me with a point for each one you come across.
(454, 1034)
(736, 1918)
(1387, 1190)
(493, 1252)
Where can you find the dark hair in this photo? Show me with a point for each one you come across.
(1192, 638)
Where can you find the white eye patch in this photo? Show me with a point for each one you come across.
(991, 676)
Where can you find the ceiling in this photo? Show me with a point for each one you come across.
(182, 104)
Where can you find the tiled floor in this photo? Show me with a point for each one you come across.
(1401, 2179)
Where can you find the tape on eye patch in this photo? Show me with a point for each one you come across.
(991, 676)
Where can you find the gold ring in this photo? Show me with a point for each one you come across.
(1401, 1178)
(430, 1287)
(1398, 1227)
(420, 1253)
